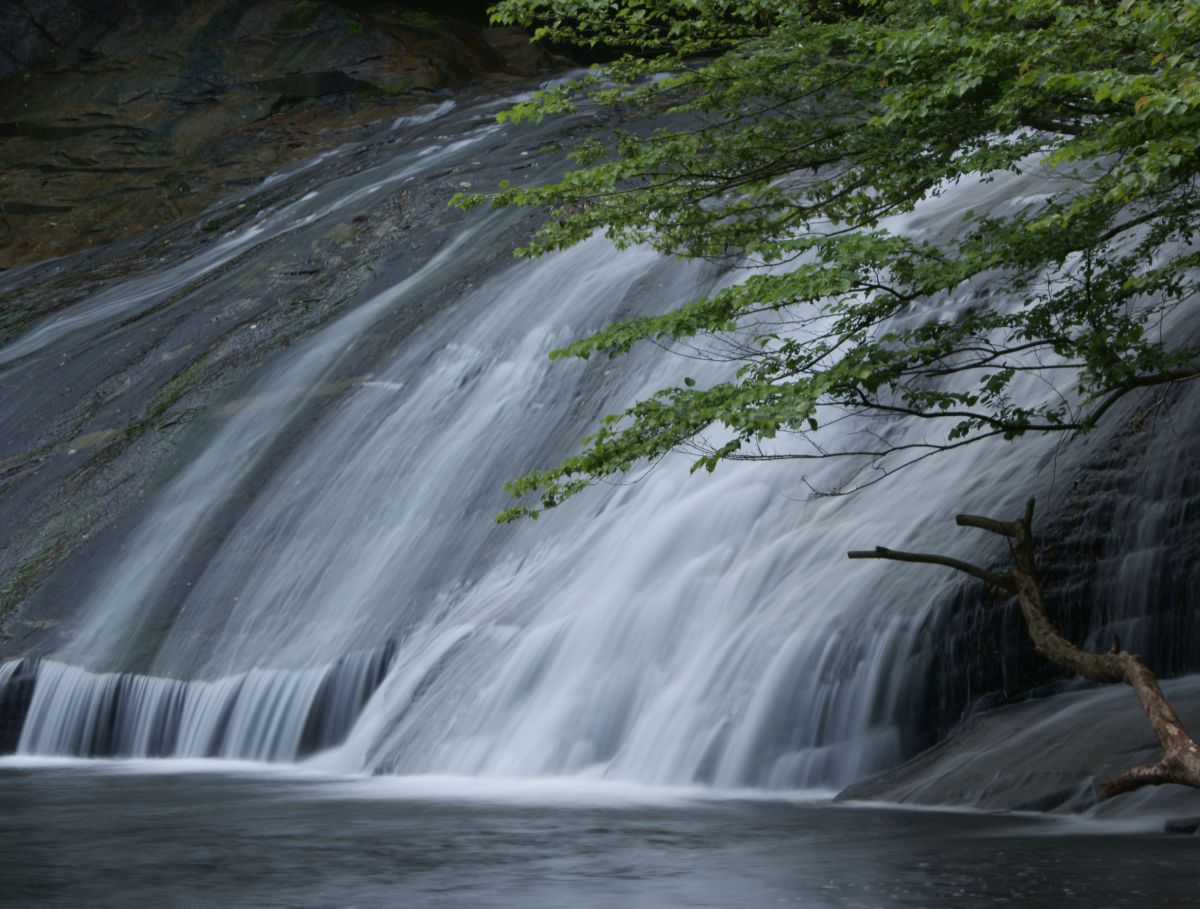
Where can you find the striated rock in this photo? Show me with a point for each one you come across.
(1044, 755)
(1121, 555)
(119, 116)
(96, 416)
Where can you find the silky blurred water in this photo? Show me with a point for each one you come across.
(187, 836)
(678, 630)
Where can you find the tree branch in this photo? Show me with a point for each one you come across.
(1153, 774)
(1161, 378)
(991, 577)
(1004, 528)
(1180, 762)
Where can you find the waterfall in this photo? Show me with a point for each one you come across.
(673, 630)
(262, 714)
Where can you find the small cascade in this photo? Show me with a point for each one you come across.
(16, 691)
(263, 714)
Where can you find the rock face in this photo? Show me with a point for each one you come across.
(119, 116)
(1121, 555)
(94, 419)
(1044, 755)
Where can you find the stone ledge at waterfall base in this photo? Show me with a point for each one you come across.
(1045, 755)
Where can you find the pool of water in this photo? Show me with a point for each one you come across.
(169, 834)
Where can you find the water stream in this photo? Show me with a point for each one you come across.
(362, 611)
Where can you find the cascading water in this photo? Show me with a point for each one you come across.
(268, 714)
(361, 603)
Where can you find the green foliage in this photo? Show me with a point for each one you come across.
(784, 131)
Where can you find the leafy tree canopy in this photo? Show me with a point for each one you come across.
(784, 132)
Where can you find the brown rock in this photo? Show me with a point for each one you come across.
(122, 114)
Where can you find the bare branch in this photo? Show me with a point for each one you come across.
(882, 552)
(1004, 528)
(1163, 378)
(1180, 762)
(1153, 774)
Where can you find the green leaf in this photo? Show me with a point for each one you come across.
(788, 131)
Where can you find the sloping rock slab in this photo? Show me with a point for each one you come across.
(1044, 755)
(118, 117)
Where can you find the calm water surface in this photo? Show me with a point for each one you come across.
(164, 835)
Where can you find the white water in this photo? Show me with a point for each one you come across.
(262, 714)
(676, 631)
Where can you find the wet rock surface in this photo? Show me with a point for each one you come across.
(122, 116)
(1045, 755)
(1120, 556)
(164, 336)
(1184, 826)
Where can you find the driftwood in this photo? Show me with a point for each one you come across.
(1180, 762)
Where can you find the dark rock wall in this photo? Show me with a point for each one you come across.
(118, 116)
(1121, 555)
(92, 424)
(1044, 755)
